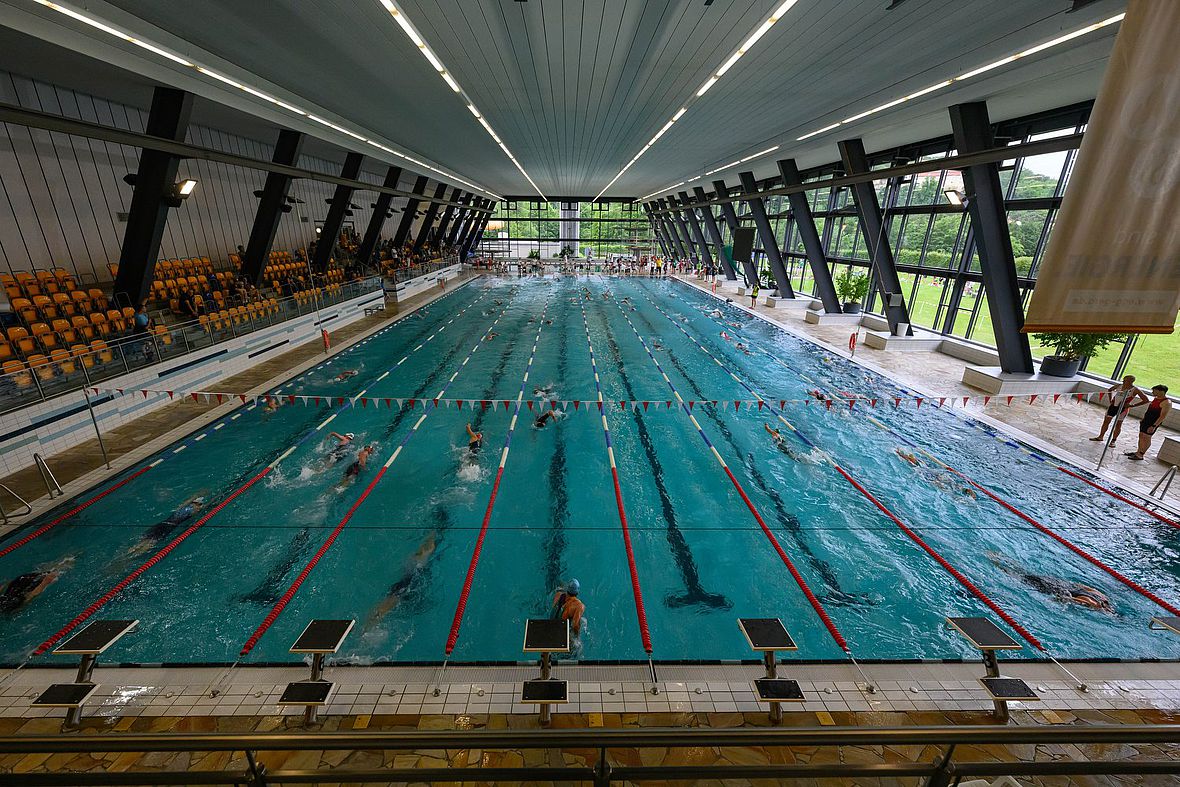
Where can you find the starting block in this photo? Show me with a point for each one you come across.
(320, 638)
(88, 643)
(989, 638)
(767, 636)
(546, 636)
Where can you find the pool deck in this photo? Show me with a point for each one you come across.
(399, 697)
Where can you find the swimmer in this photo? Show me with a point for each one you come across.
(950, 482)
(165, 528)
(490, 335)
(716, 314)
(20, 591)
(475, 441)
(273, 403)
(354, 469)
(781, 444)
(567, 606)
(909, 457)
(340, 450)
(397, 591)
(345, 375)
(1065, 591)
(548, 322)
(817, 395)
(544, 418)
(742, 347)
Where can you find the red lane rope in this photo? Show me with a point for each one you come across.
(1117, 496)
(644, 634)
(954, 572)
(815, 603)
(289, 594)
(453, 637)
(72, 512)
(1071, 546)
(153, 560)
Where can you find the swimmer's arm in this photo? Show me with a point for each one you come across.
(339, 437)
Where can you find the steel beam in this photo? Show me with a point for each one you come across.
(715, 233)
(272, 203)
(330, 233)
(155, 183)
(381, 212)
(657, 231)
(882, 269)
(428, 220)
(403, 227)
(468, 223)
(682, 228)
(465, 203)
(749, 272)
(972, 132)
(444, 223)
(695, 225)
(670, 228)
(766, 235)
(812, 244)
(476, 232)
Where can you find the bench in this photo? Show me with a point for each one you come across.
(546, 636)
(768, 636)
(89, 643)
(989, 638)
(319, 638)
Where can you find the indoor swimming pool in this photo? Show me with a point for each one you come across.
(849, 525)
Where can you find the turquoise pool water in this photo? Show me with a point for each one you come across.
(702, 559)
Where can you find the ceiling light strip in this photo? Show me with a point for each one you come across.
(98, 24)
(760, 31)
(404, 23)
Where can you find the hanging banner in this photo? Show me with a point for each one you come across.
(1113, 260)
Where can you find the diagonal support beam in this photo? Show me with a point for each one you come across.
(872, 227)
(155, 182)
(695, 226)
(460, 217)
(403, 227)
(330, 234)
(657, 231)
(715, 234)
(670, 228)
(427, 225)
(476, 231)
(812, 244)
(731, 221)
(972, 132)
(472, 217)
(766, 235)
(444, 223)
(381, 212)
(682, 228)
(272, 204)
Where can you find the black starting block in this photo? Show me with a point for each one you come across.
(546, 636)
(768, 636)
(989, 638)
(88, 643)
(320, 638)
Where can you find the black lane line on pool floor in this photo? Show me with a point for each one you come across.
(789, 523)
(555, 538)
(694, 594)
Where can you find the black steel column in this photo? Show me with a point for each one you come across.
(444, 223)
(695, 225)
(272, 204)
(681, 227)
(330, 234)
(477, 227)
(972, 132)
(805, 223)
(670, 228)
(730, 215)
(766, 235)
(428, 219)
(473, 216)
(715, 234)
(403, 227)
(155, 181)
(657, 231)
(377, 221)
(461, 218)
(872, 226)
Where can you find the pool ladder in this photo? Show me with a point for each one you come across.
(51, 484)
(4, 515)
(1165, 482)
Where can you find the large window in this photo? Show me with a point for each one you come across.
(547, 229)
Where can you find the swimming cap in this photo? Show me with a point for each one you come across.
(199, 500)
(349, 435)
(573, 587)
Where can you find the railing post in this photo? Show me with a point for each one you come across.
(257, 770)
(945, 770)
(602, 770)
(97, 433)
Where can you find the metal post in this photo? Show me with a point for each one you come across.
(602, 769)
(546, 665)
(311, 714)
(670, 228)
(403, 227)
(812, 244)
(945, 770)
(272, 203)
(993, 671)
(428, 219)
(731, 220)
(330, 233)
(715, 233)
(766, 235)
(97, 433)
(85, 670)
(445, 222)
(695, 226)
(776, 708)
(972, 133)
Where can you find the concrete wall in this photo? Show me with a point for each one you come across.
(55, 425)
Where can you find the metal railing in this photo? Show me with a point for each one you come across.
(601, 768)
(396, 275)
(130, 352)
(51, 484)
(5, 515)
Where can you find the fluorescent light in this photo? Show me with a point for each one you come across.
(761, 31)
(433, 60)
(729, 63)
(451, 82)
(474, 111)
(712, 81)
(114, 31)
(782, 9)
(679, 112)
(1002, 62)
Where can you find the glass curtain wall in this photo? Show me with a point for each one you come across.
(545, 230)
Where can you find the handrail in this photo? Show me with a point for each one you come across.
(942, 770)
(4, 515)
(1165, 481)
(47, 476)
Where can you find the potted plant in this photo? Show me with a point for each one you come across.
(1070, 349)
(851, 288)
(534, 254)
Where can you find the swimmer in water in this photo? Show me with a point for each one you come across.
(817, 395)
(742, 347)
(397, 591)
(567, 606)
(340, 450)
(490, 335)
(909, 457)
(354, 469)
(781, 444)
(345, 375)
(475, 441)
(949, 482)
(163, 529)
(544, 418)
(21, 590)
(1065, 591)
(273, 403)
(716, 314)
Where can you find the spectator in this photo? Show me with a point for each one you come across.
(1123, 397)
(1157, 410)
(188, 306)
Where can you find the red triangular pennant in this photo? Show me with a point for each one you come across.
(919, 401)
(552, 404)
(290, 399)
(872, 403)
(339, 401)
(483, 404)
(194, 396)
(1032, 399)
(896, 402)
(986, 399)
(736, 405)
(169, 394)
(1077, 397)
(530, 404)
(219, 398)
(1010, 398)
(576, 404)
(144, 394)
(760, 403)
(690, 404)
(941, 401)
(851, 403)
(242, 397)
(460, 402)
(411, 401)
(435, 404)
(645, 407)
(1056, 397)
(965, 400)
(388, 403)
(364, 402)
(828, 402)
(506, 403)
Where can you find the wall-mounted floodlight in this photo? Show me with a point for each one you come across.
(185, 187)
(956, 197)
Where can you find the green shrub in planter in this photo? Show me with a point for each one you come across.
(851, 288)
(1070, 349)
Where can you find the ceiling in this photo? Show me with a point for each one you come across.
(575, 88)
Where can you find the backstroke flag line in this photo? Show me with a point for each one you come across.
(1113, 260)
